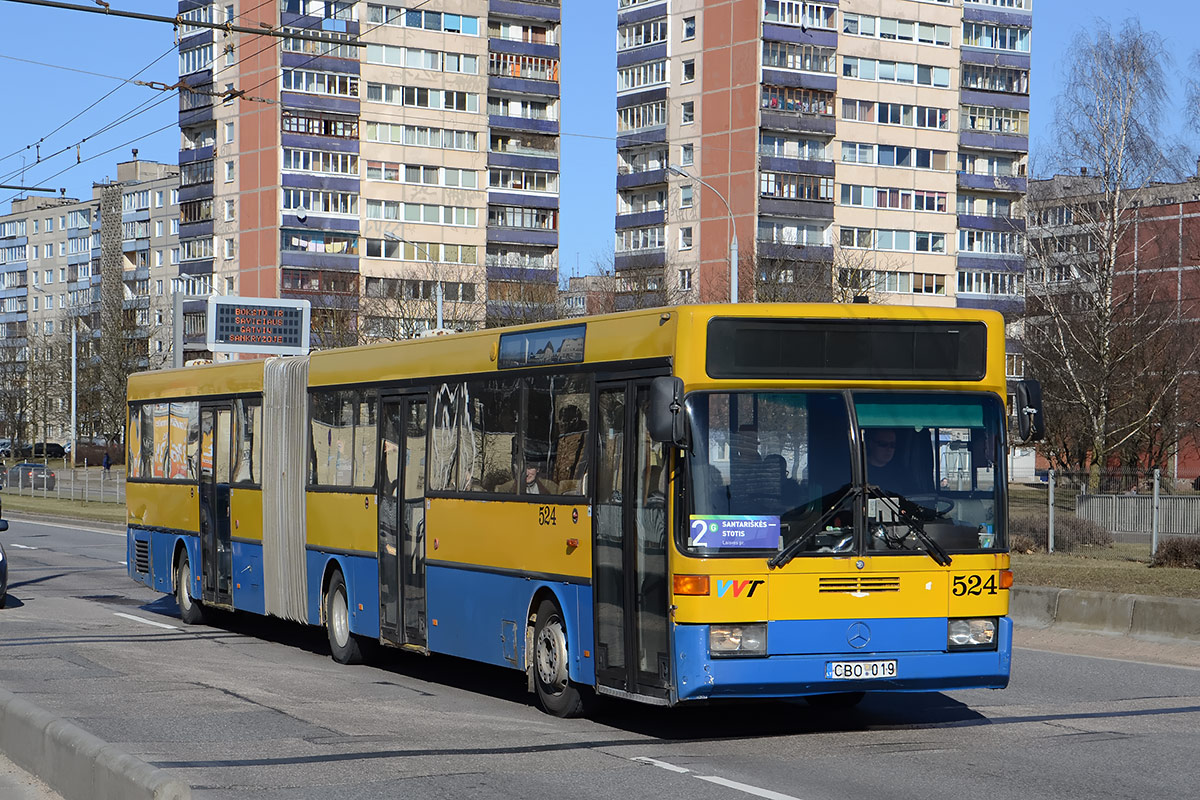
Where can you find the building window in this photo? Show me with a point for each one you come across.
(689, 70)
(689, 28)
(158, 199)
(685, 280)
(685, 238)
(158, 227)
(229, 172)
(229, 209)
(689, 112)
(228, 133)
(229, 249)
(158, 284)
(685, 196)
(687, 154)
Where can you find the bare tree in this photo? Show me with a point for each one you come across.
(404, 308)
(14, 396)
(836, 274)
(1085, 331)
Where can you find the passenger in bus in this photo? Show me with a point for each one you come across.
(789, 493)
(533, 482)
(751, 482)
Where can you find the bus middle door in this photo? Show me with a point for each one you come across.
(216, 547)
(401, 506)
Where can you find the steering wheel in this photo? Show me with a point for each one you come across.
(931, 504)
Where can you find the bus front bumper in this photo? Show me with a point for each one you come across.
(919, 667)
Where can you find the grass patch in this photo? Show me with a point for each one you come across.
(1122, 568)
(76, 509)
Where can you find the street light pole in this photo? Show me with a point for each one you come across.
(733, 242)
(438, 286)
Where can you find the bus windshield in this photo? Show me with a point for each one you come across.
(768, 468)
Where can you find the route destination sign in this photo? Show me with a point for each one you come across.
(258, 325)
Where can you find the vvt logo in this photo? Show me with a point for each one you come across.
(738, 587)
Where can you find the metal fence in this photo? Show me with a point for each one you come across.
(90, 484)
(1134, 508)
(1131, 518)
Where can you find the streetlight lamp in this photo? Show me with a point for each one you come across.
(395, 238)
(733, 244)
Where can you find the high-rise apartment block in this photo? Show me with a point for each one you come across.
(106, 266)
(879, 145)
(382, 155)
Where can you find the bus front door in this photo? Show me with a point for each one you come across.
(402, 521)
(216, 547)
(630, 547)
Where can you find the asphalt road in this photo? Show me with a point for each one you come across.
(254, 708)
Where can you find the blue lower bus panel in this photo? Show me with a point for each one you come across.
(919, 665)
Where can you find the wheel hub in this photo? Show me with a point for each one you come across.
(339, 619)
(551, 656)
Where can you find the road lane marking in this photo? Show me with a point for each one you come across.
(654, 762)
(23, 546)
(728, 784)
(146, 621)
(747, 788)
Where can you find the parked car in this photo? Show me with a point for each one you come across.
(28, 474)
(3, 567)
(43, 450)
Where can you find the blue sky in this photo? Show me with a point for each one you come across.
(67, 45)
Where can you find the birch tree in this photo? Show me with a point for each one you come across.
(1087, 331)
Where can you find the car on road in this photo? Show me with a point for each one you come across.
(29, 474)
(3, 567)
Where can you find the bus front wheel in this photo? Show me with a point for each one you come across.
(342, 644)
(191, 611)
(551, 656)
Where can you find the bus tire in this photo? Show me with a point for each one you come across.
(343, 645)
(191, 610)
(837, 700)
(551, 657)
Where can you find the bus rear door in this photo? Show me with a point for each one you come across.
(629, 535)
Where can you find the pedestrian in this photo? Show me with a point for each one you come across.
(107, 462)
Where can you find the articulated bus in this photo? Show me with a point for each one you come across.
(669, 505)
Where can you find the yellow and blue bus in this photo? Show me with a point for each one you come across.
(669, 505)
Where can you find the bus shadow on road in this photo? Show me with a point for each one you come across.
(740, 720)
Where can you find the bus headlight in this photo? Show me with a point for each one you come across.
(737, 640)
(978, 632)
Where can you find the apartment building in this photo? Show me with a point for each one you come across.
(878, 144)
(107, 264)
(383, 156)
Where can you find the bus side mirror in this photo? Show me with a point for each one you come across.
(1031, 424)
(665, 419)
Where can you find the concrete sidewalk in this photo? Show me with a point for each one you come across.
(73, 762)
(17, 784)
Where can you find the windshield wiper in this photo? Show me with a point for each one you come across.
(788, 553)
(899, 504)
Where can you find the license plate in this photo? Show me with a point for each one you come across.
(860, 670)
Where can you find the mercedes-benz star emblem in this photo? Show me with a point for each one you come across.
(858, 635)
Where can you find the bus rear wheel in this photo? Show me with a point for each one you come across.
(191, 610)
(342, 643)
(551, 657)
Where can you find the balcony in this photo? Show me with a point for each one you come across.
(993, 183)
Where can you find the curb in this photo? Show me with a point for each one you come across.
(73, 762)
(1136, 615)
